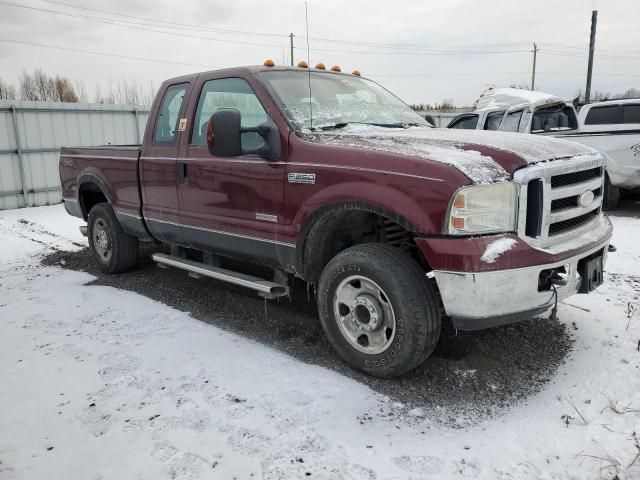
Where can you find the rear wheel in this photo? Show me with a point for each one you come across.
(114, 250)
(378, 310)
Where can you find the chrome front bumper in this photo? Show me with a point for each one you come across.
(477, 300)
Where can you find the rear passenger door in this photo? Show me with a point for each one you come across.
(158, 167)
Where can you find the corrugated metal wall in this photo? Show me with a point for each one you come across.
(31, 134)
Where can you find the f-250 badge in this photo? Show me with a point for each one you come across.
(302, 178)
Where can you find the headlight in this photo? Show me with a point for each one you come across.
(483, 209)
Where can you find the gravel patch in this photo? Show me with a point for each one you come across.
(470, 377)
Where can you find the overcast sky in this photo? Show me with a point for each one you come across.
(438, 65)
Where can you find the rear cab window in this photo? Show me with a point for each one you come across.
(167, 122)
(554, 118)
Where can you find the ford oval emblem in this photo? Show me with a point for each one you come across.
(586, 199)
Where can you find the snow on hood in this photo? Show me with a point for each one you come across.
(454, 147)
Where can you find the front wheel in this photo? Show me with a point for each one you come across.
(378, 309)
(611, 194)
(114, 250)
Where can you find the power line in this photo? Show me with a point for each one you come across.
(246, 32)
(135, 26)
(186, 26)
(106, 54)
(582, 48)
(393, 74)
(567, 54)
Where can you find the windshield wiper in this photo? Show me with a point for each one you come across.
(340, 125)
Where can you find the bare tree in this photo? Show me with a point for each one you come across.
(81, 91)
(41, 87)
(64, 91)
(7, 91)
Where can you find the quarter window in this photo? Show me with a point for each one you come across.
(511, 122)
(229, 93)
(603, 115)
(469, 122)
(493, 121)
(167, 122)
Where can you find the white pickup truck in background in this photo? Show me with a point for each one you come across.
(612, 127)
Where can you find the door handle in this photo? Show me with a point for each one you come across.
(183, 172)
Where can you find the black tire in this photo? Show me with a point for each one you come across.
(406, 289)
(611, 194)
(105, 234)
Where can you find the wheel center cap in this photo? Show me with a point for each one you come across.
(367, 313)
(102, 239)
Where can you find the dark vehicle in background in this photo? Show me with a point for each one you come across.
(327, 177)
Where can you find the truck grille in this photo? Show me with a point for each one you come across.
(575, 177)
(550, 208)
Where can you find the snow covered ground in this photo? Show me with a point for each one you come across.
(100, 383)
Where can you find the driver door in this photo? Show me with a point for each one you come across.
(229, 205)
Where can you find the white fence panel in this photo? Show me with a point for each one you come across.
(31, 134)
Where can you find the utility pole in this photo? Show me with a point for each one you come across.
(533, 73)
(592, 47)
(291, 42)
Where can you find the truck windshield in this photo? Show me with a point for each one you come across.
(337, 100)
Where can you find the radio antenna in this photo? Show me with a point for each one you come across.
(306, 16)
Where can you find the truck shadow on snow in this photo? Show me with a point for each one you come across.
(470, 376)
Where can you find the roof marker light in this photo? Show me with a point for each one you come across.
(303, 64)
(336, 68)
(269, 63)
(320, 66)
(356, 73)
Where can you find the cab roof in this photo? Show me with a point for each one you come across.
(254, 69)
(507, 98)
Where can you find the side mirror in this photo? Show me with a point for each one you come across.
(224, 136)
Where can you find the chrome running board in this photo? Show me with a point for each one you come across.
(264, 287)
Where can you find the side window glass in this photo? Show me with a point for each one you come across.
(469, 122)
(166, 127)
(631, 114)
(229, 93)
(511, 122)
(493, 121)
(603, 116)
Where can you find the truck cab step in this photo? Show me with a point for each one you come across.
(265, 288)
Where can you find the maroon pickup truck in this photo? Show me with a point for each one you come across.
(328, 177)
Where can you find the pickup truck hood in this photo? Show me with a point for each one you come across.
(483, 156)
